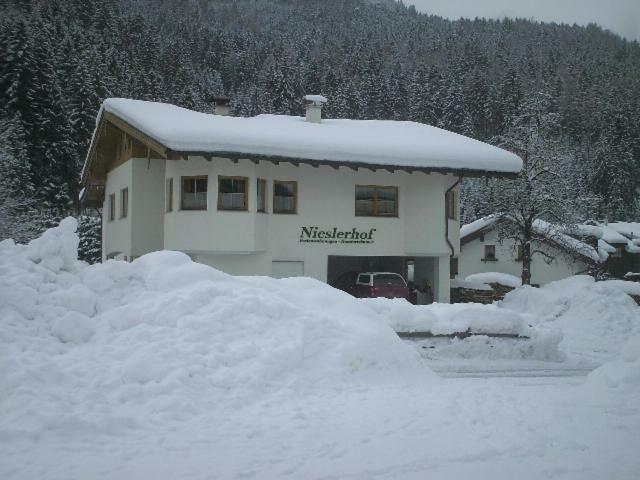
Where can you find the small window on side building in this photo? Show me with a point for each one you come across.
(285, 197)
(194, 193)
(124, 203)
(489, 253)
(261, 189)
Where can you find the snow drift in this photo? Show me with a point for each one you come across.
(538, 342)
(165, 335)
(596, 318)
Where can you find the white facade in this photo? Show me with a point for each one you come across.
(255, 243)
(472, 260)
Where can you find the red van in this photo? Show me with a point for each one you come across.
(373, 284)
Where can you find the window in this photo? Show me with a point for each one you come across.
(376, 201)
(489, 253)
(232, 193)
(364, 279)
(453, 267)
(112, 207)
(388, 280)
(285, 197)
(262, 195)
(194, 193)
(169, 195)
(124, 202)
(450, 200)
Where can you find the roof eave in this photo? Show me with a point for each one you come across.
(461, 172)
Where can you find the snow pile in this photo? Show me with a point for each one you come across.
(166, 336)
(596, 318)
(541, 342)
(495, 277)
(622, 375)
(457, 283)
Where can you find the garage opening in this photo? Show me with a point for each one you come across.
(417, 271)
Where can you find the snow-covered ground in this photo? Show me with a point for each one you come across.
(163, 369)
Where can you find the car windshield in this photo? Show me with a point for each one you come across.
(388, 280)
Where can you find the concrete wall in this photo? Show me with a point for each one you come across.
(472, 253)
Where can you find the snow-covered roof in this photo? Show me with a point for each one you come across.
(553, 232)
(365, 142)
(477, 225)
(616, 233)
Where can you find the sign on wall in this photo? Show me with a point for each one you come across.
(315, 234)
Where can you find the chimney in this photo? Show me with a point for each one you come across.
(221, 104)
(313, 104)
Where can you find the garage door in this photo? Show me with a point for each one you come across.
(284, 269)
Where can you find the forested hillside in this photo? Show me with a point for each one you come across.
(578, 88)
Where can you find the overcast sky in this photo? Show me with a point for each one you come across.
(619, 16)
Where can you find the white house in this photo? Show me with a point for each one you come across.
(482, 251)
(282, 195)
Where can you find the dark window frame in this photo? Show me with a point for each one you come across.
(295, 197)
(245, 207)
(375, 201)
(182, 192)
(492, 257)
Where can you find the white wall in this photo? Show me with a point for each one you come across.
(472, 253)
(146, 196)
(244, 243)
(116, 234)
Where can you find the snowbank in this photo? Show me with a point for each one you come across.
(596, 318)
(457, 283)
(541, 342)
(166, 336)
(621, 376)
(495, 277)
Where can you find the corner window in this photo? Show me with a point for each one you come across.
(124, 203)
(285, 197)
(489, 253)
(450, 205)
(232, 193)
(112, 207)
(194, 193)
(169, 195)
(376, 201)
(261, 189)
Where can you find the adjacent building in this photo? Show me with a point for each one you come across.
(562, 251)
(283, 195)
